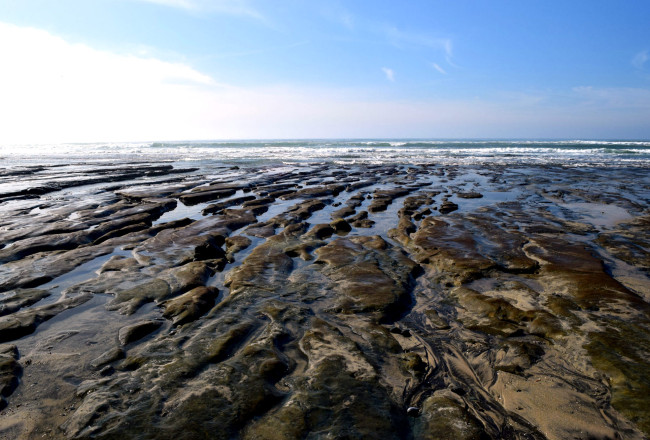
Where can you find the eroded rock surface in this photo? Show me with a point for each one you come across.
(405, 302)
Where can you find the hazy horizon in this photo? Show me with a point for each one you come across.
(343, 139)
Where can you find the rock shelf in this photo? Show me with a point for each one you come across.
(393, 302)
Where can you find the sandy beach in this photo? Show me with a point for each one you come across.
(425, 301)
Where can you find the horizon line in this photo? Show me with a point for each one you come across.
(352, 139)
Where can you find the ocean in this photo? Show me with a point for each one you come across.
(600, 153)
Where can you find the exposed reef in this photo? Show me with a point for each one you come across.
(278, 302)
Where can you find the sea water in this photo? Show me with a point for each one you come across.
(607, 153)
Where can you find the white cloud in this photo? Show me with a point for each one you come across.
(438, 68)
(54, 90)
(390, 74)
(640, 59)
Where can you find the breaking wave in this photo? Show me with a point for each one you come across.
(568, 152)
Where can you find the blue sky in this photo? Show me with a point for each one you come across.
(120, 70)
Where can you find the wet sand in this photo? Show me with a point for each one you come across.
(162, 300)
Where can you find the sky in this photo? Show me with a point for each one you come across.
(163, 70)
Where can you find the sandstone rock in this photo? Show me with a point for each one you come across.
(25, 321)
(450, 250)
(183, 278)
(346, 211)
(10, 371)
(340, 226)
(206, 195)
(120, 263)
(191, 305)
(321, 231)
(443, 418)
(383, 198)
(235, 244)
(134, 332)
(447, 207)
(320, 191)
(112, 355)
(469, 195)
(130, 300)
(15, 300)
(368, 280)
(216, 208)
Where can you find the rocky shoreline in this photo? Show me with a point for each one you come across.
(160, 301)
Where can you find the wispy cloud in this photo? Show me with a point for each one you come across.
(390, 74)
(405, 39)
(183, 4)
(438, 68)
(401, 38)
(264, 50)
(337, 13)
(640, 59)
(230, 7)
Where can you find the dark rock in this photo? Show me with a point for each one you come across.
(107, 370)
(191, 305)
(130, 300)
(235, 244)
(10, 370)
(15, 300)
(383, 198)
(360, 268)
(216, 208)
(24, 322)
(257, 202)
(469, 195)
(360, 216)
(340, 226)
(120, 263)
(134, 332)
(257, 209)
(444, 417)
(451, 250)
(366, 223)
(447, 207)
(346, 211)
(169, 225)
(322, 231)
(206, 194)
(108, 357)
(320, 191)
